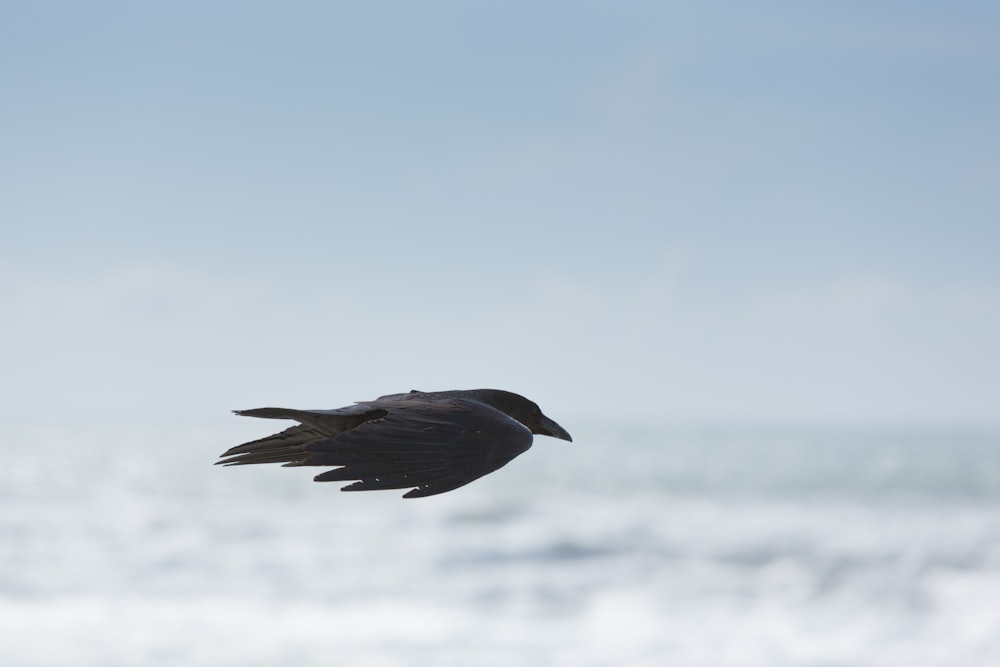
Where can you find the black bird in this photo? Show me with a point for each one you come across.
(431, 441)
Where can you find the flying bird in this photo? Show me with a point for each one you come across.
(431, 441)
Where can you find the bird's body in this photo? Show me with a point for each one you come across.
(431, 441)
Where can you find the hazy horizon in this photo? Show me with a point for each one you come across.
(651, 211)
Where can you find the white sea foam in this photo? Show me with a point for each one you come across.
(708, 548)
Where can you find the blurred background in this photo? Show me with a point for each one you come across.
(746, 253)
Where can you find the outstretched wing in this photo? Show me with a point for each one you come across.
(432, 446)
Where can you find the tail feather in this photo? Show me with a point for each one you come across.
(285, 457)
(378, 458)
(270, 413)
(291, 445)
(329, 422)
(287, 439)
(288, 446)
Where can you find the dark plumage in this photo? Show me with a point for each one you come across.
(431, 441)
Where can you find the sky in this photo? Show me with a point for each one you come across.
(653, 212)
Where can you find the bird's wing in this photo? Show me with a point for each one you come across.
(433, 446)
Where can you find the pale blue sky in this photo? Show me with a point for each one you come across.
(720, 211)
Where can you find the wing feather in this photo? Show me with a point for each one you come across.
(405, 441)
(430, 447)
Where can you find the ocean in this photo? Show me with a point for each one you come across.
(690, 547)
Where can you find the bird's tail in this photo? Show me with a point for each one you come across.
(288, 447)
(273, 413)
(291, 445)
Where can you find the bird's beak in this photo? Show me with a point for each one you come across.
(549, 427)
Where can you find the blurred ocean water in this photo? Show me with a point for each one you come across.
(690, 547)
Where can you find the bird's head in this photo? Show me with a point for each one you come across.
(524, 411)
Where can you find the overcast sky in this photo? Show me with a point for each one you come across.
(728, 211)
